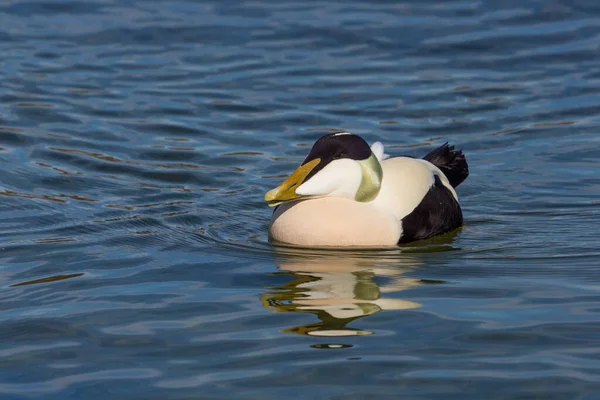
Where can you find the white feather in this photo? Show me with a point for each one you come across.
(378, 149)
(339, 178)
(405, 182)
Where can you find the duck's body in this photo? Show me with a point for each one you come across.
(403, 200)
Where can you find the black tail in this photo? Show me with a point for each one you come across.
(452, 163)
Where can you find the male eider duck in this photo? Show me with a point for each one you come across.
(347, 193)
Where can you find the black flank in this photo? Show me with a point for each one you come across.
(438, 213)
(452, 163)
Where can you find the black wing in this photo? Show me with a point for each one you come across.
(452, 163)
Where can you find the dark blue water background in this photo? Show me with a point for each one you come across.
(137, 139)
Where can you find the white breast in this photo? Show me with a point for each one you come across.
(333, 221)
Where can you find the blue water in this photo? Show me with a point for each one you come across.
(137, 139)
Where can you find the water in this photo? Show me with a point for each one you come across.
(137, 139)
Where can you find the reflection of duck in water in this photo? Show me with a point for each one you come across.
(346, 193)
(341, 289)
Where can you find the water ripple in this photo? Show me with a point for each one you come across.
(137, 141)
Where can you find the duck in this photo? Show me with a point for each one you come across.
(347, 193)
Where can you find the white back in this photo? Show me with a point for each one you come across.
(406, 181)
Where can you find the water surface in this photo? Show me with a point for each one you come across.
(137, 139)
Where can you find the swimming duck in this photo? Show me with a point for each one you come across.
(347, 193)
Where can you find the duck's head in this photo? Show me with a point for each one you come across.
(338, 165)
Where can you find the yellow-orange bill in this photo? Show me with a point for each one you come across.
(287, 190)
